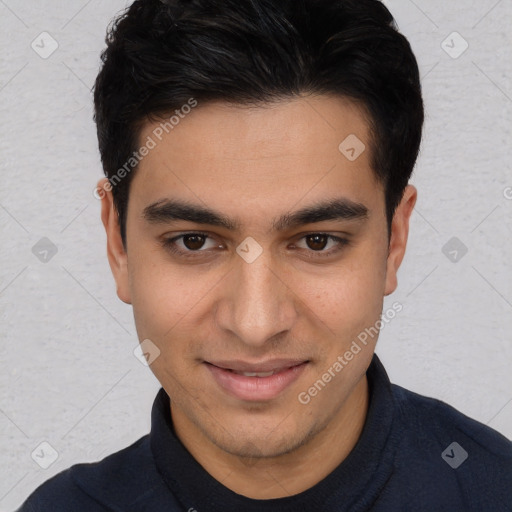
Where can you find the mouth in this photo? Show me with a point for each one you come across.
(256, 382)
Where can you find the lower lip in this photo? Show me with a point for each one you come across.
(255, 388)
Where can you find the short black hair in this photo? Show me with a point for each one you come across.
(161, 54)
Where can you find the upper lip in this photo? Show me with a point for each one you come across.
(238, 365)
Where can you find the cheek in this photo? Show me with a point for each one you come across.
(159, 298)
(165, 307)
(350, 297)
(170, 302)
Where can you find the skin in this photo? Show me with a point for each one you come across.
(253, 165)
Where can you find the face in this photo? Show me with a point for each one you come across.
(257, 252)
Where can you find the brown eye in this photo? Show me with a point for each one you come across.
(317, 242)
(194, 242)
(321, 245)
(191, 245)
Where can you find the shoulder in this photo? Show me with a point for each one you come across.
(120, 479)
(442, 446)
(437, 418)
(60, 493)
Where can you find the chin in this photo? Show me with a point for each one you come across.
(266, 439)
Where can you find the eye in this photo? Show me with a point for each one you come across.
(195, 245)
(189, 243)
(319, 242)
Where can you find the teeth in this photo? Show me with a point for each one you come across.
(257, 374)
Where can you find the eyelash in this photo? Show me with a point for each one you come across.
(170, 245)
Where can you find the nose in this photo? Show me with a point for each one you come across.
(257, 305)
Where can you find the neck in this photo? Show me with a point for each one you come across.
(289, 474)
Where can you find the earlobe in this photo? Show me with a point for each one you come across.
(117, 257)
(398, 238)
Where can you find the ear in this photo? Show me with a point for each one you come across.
(399, 234)
(117, 257)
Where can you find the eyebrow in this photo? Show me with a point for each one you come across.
(169, 210)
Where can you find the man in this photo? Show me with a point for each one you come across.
(256, 205)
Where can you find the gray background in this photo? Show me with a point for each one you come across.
(68, 374)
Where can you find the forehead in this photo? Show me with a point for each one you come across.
(260, 157)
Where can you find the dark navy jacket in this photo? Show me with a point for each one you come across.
(415, 454)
